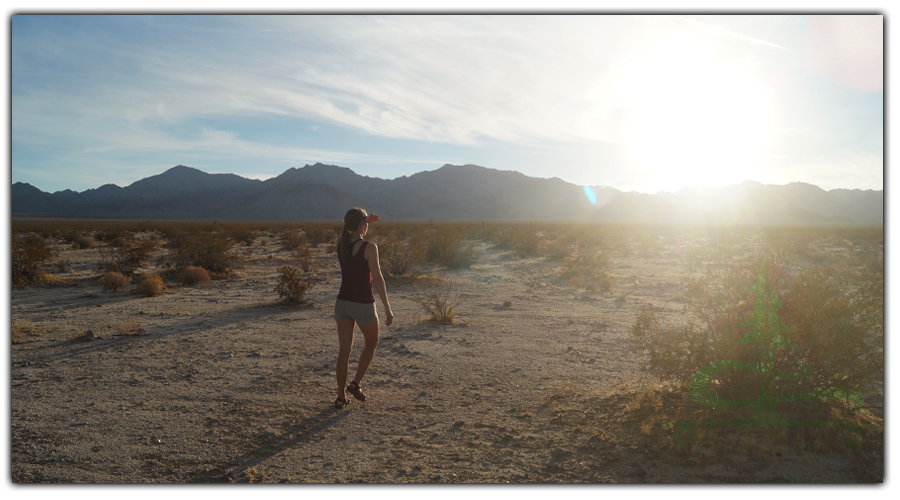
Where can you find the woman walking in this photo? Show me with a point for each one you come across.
(355, 304)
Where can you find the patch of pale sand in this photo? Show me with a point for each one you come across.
(530, 384)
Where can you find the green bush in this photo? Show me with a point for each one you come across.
(399, 257)
(833, 316)
(445, 245)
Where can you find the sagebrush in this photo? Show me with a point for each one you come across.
(292, 286)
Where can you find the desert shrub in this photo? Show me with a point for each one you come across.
(836, 314)
(193, 275)
(523, 240)
(293, 240)
(110, 233)
(291, 286)
(717, 303)
(445, 245)
(560, 247)
(150, 285)
(244, 236)
(319, 233)
(527, 242)
(114, 281)
(302, 257)
(789, 242)
(210, 249)
(84, 242)
(589, 270)
(126, 257)
(439, 301)
(69, 235)
(399, 257)
(831, 317)
(29, 253)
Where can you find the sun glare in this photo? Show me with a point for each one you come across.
(696, 118)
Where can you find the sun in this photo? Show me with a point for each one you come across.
(696, 118)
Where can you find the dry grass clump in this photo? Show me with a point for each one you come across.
(194, 275)
(114, 281)
(439, 301)
(291, 286)
(127, 328)
(22, 332)
(150, 285)
(84, 242)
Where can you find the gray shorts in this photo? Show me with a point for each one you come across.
(362, 313)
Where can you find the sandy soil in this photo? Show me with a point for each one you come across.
(532, 383)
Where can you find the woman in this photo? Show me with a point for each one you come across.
(355, 304)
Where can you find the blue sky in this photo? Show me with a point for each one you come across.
(640, 103)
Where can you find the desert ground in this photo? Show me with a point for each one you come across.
(534, 381)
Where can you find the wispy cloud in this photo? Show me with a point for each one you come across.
(209, 88)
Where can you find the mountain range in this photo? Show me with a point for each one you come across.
(452, 192)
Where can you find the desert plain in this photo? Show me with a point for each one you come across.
(535, 379)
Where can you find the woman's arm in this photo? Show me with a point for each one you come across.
(378, 281)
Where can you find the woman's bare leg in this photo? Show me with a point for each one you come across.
(345, 338)
(370, 333)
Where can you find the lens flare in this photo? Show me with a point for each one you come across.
(591, 194)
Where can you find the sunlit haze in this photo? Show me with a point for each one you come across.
(639, 103)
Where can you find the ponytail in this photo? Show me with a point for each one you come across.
(345, 245)
(351, 222)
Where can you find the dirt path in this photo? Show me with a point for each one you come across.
(530, 384)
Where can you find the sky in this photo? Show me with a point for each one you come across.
(636, 102)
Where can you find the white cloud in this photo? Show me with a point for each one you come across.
(545, 82)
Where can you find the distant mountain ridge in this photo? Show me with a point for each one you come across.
(466, 192)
